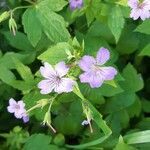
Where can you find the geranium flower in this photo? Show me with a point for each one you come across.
(75, 4)
(139, 9)
(95, 73)
(54, 79)
(18, 108)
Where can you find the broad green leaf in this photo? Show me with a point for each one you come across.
(123, 146)
(53, 24)
(137, 137)
(119, 102)
(23, 70)
(37, 142)
(129, 40)
(145, 51)
(56, 53)
(6, 75)
(116, 22)
(133, 81)
(25, 58)
(146, 106)
(144, 27)
(32, 26)
(54, 5)
(19, 41)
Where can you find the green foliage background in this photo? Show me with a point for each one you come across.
(45, 30)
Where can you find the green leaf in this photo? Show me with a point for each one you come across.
(138, 137)
(130, 75)
(53, 24)
(23, 70)
(54, 5)
(56, 53)
(144, 27)
(32, 26)
(6, 75)
(119, 102)
(37, 142)
(116, 22)
(129, 40)
(19, 41)
(145, 51)
(123, 146)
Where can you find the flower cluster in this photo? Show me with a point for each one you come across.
(75, 4)
(139, 9)
(18, 108)
(56, 79)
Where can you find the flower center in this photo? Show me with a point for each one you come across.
(17, 107)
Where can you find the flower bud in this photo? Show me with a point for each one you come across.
(12, 26)
(4, 16)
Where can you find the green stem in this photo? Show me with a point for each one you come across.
(20, 7)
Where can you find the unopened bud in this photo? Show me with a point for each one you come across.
(12, 26)
(4, 16)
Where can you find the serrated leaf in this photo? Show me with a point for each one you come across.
(144, 27)
(53, 24)
(54, 5)
(116, 22)
(56, 53)
(32, 26)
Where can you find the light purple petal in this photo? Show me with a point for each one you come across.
(25, 119)
(103, 56)
(93, 78)
(145, 14)
(75, 4)
(47, 71)
(108, 73)
(135, 14)
(12, 102)
(21, 104)
(10, 109)
(18, 114)
(86, 62)
(46, 86)
(133, 3)
(61, 68)
(66, 86)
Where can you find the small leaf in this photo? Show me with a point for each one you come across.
(116, 22)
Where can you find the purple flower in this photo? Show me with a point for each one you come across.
(75, 4)
(18, 108)
(94, 71)
(139, 9)
(54, 79)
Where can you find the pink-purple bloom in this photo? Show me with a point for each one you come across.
(139, 9)
(18, 108)
(95, 73)
(55, 79)
(75, 4)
